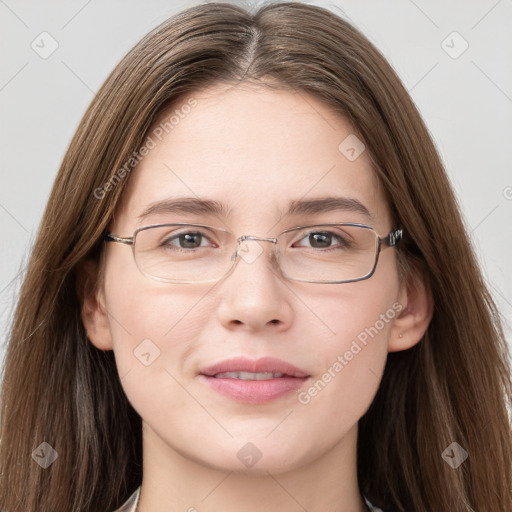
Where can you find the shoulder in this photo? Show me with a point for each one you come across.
(131, 504)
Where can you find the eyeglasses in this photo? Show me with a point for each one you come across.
(195, 253)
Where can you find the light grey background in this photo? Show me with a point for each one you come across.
(466, 101)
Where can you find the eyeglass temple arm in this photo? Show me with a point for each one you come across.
(393, 238)
(109, 237)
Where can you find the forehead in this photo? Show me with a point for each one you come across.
(255, 149)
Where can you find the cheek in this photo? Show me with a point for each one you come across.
(348, 309)
(155, 327)
(140, 307)
(352, 355)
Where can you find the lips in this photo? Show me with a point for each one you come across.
(263, 365)
(253, 381)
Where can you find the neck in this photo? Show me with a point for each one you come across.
(174, 482)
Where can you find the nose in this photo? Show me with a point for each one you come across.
(254, 295)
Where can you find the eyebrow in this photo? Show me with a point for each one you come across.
(197, 206)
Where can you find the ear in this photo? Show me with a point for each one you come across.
(93, 312)
(417, 303)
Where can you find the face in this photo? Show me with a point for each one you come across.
(255, 150)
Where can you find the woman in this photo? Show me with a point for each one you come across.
(252, 290)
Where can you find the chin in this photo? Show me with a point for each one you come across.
(255, 459)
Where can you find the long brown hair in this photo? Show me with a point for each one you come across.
(453, 386)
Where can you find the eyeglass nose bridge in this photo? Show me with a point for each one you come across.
(243, 238)
(240, 239)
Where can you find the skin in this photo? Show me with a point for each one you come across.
(255, 149)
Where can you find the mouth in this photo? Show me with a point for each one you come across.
(250, 375)
(253, 381)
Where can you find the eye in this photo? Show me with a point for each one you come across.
(187, 240)
(323, 240)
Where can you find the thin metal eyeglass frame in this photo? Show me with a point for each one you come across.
(390, 240)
